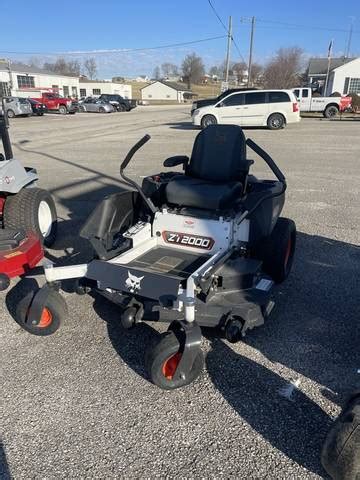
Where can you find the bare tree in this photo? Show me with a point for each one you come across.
(157, 73)
(64, 67)
(215, 71)
(256, 73)
(239, 69)
(90, 67)
(169, 69)
(193, 69)
(284, 70)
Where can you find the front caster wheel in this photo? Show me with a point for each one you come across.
(53, 313)
(163, 360)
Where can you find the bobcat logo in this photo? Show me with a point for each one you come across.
(133, 283)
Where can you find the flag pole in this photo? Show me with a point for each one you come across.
(328, 68)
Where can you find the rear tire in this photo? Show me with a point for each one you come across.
(32, 209)
(10, 113)
(122, 108)
(331, 111)
(208, 120)
(54, 312)
(277, 251)
(162, 360)
(102, 110)
(340, 455)
(276, 121)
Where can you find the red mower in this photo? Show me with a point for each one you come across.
(28, 214)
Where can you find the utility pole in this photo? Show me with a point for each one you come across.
(347, 53)
(251, 50)
(228, 50)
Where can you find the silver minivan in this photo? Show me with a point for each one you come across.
(15, 106)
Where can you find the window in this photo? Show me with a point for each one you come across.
(354, 86)
(149, 96)
(66, 91)
(297, 93)
(55, 87)
(24, 81)
(254, 98)
(305, 93)
(167, 96)
(74, 91)
(4, 89)
(278, 97)
(82, 92)
(96, 91)
(237, 99)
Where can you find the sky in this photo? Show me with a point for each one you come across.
(41, 29)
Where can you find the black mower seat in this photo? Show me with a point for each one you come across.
(195, 192)
(217, 171)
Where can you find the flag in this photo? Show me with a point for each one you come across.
(330, 49)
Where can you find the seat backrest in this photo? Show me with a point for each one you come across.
(219, 154)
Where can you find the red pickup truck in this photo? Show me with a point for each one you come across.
(54, 102)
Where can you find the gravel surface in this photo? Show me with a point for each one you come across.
(78, 404)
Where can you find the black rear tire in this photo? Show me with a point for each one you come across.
(341, 451)
(277, 251)
(161, 362)
(331, 111)
(55, 311)
(122, 108)
(32, 209)
(208, 120)
(276, 121)
(101, 110)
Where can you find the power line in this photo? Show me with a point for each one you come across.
(226, 29)
(303, 27)
(114, 50)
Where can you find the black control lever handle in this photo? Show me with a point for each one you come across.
(132, 152)
(266, 157)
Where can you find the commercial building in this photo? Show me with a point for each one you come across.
(20, 80)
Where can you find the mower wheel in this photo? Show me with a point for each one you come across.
(54, 312)
(277, 251)
(162, 361)
(341, 451)
(32, 209)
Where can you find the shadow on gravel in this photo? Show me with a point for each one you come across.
(182, 126)
(4, 467)
(295, 427)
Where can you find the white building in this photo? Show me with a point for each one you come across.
(21, 80)
(165, 91)
(88, 88)
(344, 76)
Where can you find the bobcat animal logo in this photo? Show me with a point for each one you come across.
(133, 283)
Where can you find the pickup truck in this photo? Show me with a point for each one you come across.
(55, 102)
(120, 103)
(328, 106)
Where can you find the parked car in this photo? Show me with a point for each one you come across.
(38, 108)
(95, 105)
(55, 102)
(212, 101)
(271, 108)
(16, 106)
(120, 103)
(328, 106)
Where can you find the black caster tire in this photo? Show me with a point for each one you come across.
(32, 209)
(341, 451)
(54, 312)
(161, 362)
(277, 251)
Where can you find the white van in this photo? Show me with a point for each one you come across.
(271, 108)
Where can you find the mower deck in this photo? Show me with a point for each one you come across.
(169, 261)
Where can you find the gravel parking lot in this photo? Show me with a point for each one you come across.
(78, 404)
